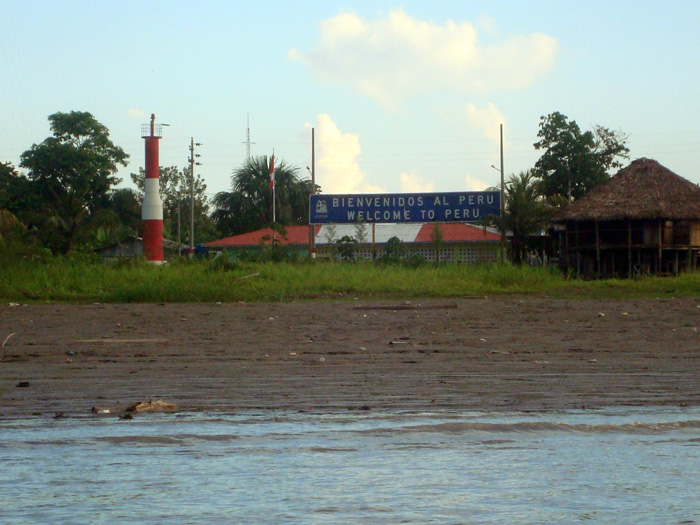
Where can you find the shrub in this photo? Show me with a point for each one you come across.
(347, 246)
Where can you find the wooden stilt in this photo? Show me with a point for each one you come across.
(629, 248)
(597, 248)
(660, 255)
(578, 251)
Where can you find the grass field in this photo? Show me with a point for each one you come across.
(85, 280)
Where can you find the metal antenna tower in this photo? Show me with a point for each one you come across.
(247, 139)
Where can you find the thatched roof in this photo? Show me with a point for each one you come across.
(643, 190)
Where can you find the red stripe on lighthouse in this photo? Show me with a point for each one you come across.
(153, 240)
(152, 209)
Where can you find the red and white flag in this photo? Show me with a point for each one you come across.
(272, 171)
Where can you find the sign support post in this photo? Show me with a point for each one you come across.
(503, 206)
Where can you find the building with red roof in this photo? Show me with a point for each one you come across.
(459, 242)
(294, 235)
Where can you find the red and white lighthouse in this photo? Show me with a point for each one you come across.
(152, 209)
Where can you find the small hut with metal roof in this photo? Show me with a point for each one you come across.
(645, 219)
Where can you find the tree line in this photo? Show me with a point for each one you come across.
(68, 197)
(572, 163)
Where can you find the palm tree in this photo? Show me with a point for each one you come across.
(526, 211)
(248, 206)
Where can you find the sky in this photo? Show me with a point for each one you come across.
(402, 97)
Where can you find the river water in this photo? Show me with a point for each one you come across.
(613, 466)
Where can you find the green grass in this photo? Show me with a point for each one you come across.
(85, 280)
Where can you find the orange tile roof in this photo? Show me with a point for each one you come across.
(295, 235)
(451, 232)
(457, 232)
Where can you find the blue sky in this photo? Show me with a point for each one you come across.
(403, 96)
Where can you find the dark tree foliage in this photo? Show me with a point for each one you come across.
(126, 207)
(347, 247)
(20, 204)
(71, 173)
(6, 168)
(526, 212)
(394, 251)
(118, 217)
(10, 228)
(16, 193)
(7, 175)
(248, 206)
(575, 161)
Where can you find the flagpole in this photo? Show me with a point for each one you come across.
(274, 189)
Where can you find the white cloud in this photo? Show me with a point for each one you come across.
(337, 169)
(395, 57)
(488, 24)
(136, 113)
(486, 121)
(412, 183)
(474, 184)
(372, 188)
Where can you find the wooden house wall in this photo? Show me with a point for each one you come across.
(695, 233)
(630, 248)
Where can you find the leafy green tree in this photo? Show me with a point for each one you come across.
(271, 247)
(575, 161)
(19, 196)
(6, 168)
(248, 206)
(361, 232)
(10, 228)
(122, 217)
(331, 235)
(331, 232)
(72, 171)
(127, 206)
(7, 176)
(347, 246)
(436, 236)
(394, 251)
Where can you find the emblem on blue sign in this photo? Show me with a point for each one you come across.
(321, 207)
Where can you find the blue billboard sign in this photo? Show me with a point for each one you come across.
(466, 206)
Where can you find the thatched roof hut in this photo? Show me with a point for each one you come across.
(644, 219)
(644, 190)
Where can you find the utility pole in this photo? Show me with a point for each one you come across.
(503, 206)
(179, 229)
(192, 165)
(312, 227)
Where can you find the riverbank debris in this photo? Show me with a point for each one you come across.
(152, 406)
